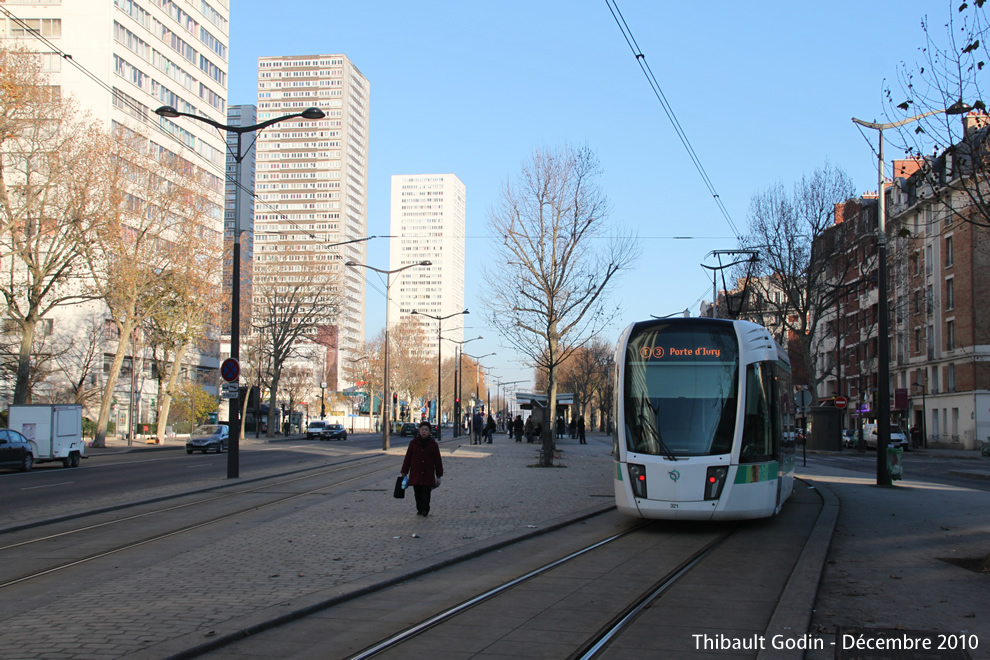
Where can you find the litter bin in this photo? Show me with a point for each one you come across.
(894, 463)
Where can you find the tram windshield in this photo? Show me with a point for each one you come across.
(681, 382)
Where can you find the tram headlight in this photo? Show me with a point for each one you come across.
(637, 477)
(714, 481)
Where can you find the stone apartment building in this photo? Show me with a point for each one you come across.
(938, 275)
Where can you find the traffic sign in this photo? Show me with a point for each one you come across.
(228, 387)
(803, 398)
(840, 402)
(228, 395)
(230, 370)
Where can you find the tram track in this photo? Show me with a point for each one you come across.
(99, 528)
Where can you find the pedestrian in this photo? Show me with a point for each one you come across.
(580, 430)
(560, 427)
(490, 429)
(517, 427)
(285, 427)
(424, 467)
(478, 426)
(529, 429)
(572, 428)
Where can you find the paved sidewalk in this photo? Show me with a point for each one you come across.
(211, 583)
(889, 564)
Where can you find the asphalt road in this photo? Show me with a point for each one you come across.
(916, 465)
(118, 475)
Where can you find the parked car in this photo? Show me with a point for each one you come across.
(316, 429)
(897, 437)
(208, 437)
(409, 428)
(334, 432)
(848, 438)
(15, 450)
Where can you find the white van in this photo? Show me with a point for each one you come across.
(897, 438)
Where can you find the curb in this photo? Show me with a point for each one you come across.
(792, 616)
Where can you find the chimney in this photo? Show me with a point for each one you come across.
(974, 121)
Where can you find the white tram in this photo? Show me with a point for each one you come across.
(703, 413)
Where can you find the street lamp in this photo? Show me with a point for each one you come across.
(323, 401)
(924, 413)
(233, 455)
(477, 371)
(386, 394)
(458, 381)
(439, 320)
(883, 341)
(505, 390)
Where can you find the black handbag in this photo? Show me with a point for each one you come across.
(399, 492)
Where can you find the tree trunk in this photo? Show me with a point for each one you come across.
(276, 375)
(24, 360)
(100, 440)
(165, 395)
(548, 438)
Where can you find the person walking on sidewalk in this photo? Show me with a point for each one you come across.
(490, 429)
(424, 467)
(529, 429)
(517, 428)
(580, 430)
(478, 427)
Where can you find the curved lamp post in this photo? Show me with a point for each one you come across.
(883, 341)
(459, 381)
(439, 320)
(386, 394)
(233, 454)
(477, 370)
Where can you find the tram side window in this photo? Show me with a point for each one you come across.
(759, 440)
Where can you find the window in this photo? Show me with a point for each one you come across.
(950, 378)
(46, 27)
(950, 335)
(950, 297)
(948, 252)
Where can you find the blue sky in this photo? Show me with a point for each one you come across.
(765, 92)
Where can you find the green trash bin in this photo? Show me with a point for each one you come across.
(894, 463)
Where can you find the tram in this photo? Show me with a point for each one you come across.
(703, 413)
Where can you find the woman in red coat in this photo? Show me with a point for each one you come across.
(424, 467)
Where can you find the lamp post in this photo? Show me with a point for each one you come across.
(386, 394)
(883, 341)
(477, 371)
(458, 381)
(439, 320)
(924, 414)
(233, 455)
(323, 401)
(505, 390)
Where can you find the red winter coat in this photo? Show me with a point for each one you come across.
(423, 462)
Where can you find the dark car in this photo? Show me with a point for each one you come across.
(209, 437)
(316, 429)
(15, 450)
(409, 428)
(334, 432)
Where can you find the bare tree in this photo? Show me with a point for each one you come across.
(160, 218)
(78, 358)
(583, 376)
(557, 257)
(783, 228)
(947, 74)
(289, 308)
(51, 165)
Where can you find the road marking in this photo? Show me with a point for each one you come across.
(63, 483)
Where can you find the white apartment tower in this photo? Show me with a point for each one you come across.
(311, 181)
(427, 224)
(120, 60)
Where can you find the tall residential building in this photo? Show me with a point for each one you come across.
(311, 184)
(427, 224)
(122, 59)
(239, 213)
